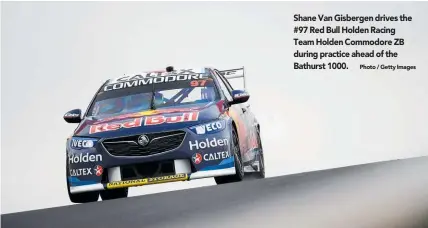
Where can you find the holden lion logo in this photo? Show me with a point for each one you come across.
(197, 158)
(143, 140)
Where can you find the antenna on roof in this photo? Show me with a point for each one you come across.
(169, 69)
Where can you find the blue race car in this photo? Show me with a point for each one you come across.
(159, 127)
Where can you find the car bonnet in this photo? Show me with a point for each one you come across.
(158, 120)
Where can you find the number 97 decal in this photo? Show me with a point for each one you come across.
(196, 83)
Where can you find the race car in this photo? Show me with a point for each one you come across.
(162, 126)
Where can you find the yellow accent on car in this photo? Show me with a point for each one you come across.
(147, 181)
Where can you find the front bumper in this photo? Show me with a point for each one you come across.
(149, 181)
(93, 168)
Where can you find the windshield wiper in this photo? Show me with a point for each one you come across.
(152, 101)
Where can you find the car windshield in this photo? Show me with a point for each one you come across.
(136, 97)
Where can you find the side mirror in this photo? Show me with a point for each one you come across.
(73, 116)
(240, 96)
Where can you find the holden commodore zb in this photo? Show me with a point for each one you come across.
(162, 126)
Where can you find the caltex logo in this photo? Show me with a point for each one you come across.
(197, 158)
(98, 170)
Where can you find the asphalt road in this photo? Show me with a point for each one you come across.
(388, 194)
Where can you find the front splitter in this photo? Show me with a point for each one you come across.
(152, 180)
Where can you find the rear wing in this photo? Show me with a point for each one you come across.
(234, 73)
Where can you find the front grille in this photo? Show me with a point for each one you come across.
(145, 170)
(158, 143)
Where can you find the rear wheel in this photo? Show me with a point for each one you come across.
(238, 163)
(114, 194)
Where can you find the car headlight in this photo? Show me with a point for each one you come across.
(209, 128)
(81, 143)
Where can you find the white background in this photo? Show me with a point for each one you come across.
(56, 54)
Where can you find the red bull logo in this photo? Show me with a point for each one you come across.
(145, 113)
(186, 117)
(149, 121)
(115, 126)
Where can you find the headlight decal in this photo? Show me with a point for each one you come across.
(81, 143)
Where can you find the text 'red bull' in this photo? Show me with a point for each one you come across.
(186, 117)
(144, 113)
(149, 121)
(115, 126)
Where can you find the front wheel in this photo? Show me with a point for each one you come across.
(114, 194)
(84, 197)
(239, 167)
(261, 159)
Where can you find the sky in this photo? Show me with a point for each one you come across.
(54, 56)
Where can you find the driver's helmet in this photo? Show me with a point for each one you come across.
(158, 99)
(139, 102)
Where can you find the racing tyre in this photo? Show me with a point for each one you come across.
(114, 194)
(261, 159)
(84, 197)
(238, 163)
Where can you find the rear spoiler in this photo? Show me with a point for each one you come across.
(234, 73)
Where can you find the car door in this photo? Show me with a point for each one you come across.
(239, 113)
(251, 125)
(253, 134)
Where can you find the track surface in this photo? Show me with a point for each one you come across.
(387, 194)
